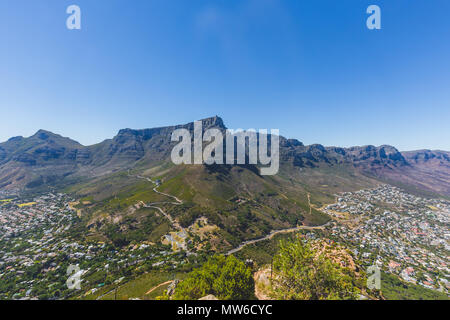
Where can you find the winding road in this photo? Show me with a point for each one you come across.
(275, 232)
(152, 205)
(243, 244)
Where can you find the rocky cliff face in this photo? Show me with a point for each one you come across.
(427, 156)
(130, 146)
(366, 157)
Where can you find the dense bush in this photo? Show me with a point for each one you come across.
(302, 274)
(225, 277)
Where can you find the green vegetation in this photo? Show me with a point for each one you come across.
(263, 252)
(393, 288)
(226, 278)
(143, 225)
(302, 274)
(140, 287)
(236, 199)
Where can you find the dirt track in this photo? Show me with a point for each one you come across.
(159, 285)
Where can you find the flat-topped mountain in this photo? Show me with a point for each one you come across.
(45, 156)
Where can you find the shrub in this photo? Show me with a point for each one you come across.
(225, 277)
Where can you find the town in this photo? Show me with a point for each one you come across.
(41, 237)
(401, 233)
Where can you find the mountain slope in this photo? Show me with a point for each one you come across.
(427, 170)
(41, 157)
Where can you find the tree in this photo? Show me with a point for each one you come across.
(300, 273)
(225, 277)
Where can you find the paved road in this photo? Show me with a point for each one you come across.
(154, 204)
(275, 232)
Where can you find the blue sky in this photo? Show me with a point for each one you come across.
(310, 68)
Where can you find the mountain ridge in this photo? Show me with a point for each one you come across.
(44, 154)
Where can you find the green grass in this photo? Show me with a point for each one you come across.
(263, 251)
(138, 287)
(271, 203)
(395, 289)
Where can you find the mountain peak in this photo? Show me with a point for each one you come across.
(43, 134)
(215, 121)
(14, 139)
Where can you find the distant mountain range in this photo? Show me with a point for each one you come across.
(47, 159)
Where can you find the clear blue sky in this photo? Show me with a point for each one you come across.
(310, 68)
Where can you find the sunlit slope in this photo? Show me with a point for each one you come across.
(236, 199)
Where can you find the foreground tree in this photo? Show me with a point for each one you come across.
(301, 273)
(226, 278)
